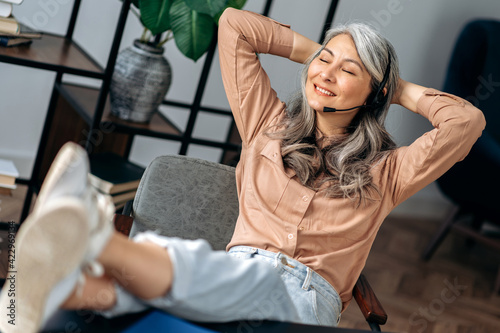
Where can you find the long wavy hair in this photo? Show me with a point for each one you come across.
(345, 164)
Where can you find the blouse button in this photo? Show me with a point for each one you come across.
(275, 154)
(305, 198)
(290, 236)
(301, 228)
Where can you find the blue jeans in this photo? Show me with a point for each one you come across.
(243, 284)
(315, 300)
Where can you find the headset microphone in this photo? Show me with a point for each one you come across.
(375, 100)
(327, 109)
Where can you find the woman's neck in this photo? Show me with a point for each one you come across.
(333, 125)
(323, 140)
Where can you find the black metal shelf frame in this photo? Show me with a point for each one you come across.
(186, 138)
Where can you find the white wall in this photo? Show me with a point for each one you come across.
(423, 33)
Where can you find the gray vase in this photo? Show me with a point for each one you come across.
(140, 81)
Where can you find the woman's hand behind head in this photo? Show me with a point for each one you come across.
(408, 94)
(397, 94)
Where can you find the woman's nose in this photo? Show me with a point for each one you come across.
(327, 76)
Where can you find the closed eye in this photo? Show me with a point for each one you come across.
(348, 72)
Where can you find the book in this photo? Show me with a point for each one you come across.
(14, 2)
(8, 174)
(5, 191)
(14, 41)
(5, 9)
(110, 173)
(123, 197)
(7, 186)
(121, 204)
(9, 26)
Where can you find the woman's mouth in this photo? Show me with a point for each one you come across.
(322, 91)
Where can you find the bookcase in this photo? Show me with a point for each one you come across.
(82, 114)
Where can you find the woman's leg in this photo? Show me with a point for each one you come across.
(186, 278)
(142, 269)
(97, 293)
(210, 286)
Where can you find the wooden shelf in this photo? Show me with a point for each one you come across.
(84, 100)
(54, 53)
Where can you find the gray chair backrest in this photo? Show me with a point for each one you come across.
(186, 197)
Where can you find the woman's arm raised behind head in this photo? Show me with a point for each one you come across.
(303, 48)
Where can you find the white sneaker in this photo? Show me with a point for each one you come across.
(68, 176)
(67, 230)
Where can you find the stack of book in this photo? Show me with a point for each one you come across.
(8, 176)
(13, 32)
(116, 176)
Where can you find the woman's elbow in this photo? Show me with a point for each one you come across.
(228, 16)
(228, 23)
(477, 120)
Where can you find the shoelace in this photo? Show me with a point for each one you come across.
(99, 204)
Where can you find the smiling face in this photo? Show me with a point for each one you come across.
(337, 78)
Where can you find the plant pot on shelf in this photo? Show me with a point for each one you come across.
(140, 81)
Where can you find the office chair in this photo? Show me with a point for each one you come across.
(472, 185)
(191, 198)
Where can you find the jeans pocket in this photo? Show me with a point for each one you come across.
(325, 312)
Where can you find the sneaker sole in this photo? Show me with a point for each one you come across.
(69, 154)
(49, 246)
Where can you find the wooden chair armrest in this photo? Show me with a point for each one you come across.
(123, 223)
(368, 302)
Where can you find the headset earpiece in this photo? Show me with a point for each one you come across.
(377, 97)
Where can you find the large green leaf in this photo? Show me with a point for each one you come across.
(193, 31)
(155, 15)
(238, 4)
(209, 7)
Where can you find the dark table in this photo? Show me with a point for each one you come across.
(156, 321)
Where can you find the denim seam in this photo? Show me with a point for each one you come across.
(314, 303)
(326, 298)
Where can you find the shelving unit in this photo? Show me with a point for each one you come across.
(88, 109)
(62, 55)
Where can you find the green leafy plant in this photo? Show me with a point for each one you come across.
(189, 22)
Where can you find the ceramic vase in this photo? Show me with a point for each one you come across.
(140, 81)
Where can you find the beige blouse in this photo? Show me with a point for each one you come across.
(277, 213)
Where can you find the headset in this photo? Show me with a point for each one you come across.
(376, 98)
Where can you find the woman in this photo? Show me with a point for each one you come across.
(315, 180)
